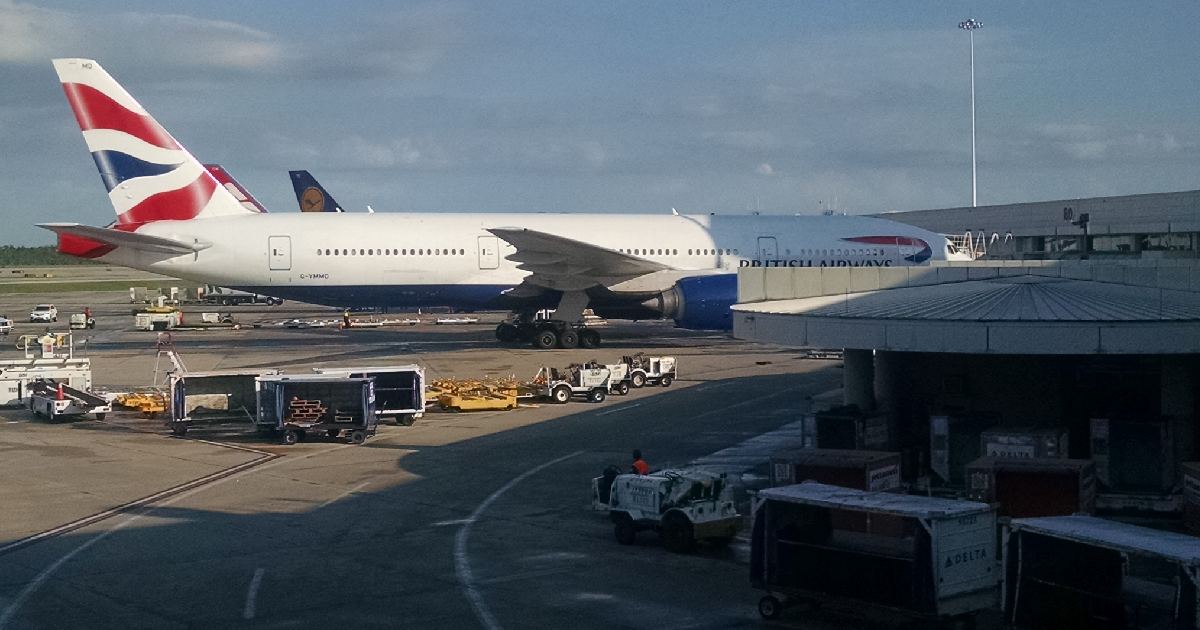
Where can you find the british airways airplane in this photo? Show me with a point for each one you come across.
(174, 218)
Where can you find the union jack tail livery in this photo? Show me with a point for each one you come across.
(149, 176)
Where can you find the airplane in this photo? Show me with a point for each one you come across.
(311, 195)
(238, 191)
(174, 218)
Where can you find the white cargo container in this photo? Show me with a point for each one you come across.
(930, 557)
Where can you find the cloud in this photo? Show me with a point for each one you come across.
(765, 169)
(31, 34)
(394, 44)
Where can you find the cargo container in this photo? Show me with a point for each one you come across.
(1087, 572)
(294, 406)
(1024, 442)
(847, 428)
(1133, 455)
(216, 396)
(1191, 497)
(954, 442)
(1039, 486)
(861, 470)
(942, 565)
(399, 389)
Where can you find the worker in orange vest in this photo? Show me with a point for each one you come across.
(639, 465)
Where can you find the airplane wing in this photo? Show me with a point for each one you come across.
(120, 238)
(566, 264)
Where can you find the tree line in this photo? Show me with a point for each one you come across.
(43, 256)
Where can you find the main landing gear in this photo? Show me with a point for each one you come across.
(548, 334)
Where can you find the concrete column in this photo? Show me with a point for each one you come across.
(1179, 383)
(859, 379)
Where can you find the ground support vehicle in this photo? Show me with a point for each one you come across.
(1087, 572)
(476, 395)
(577, 380)
(158, 318)
(213, 397)
(399, 389)
(50, 357)
(292, 407)
(683, 506)
(929, 558)
(80, 321)
(644, 370)
(5, 325)
(43, 313)
(55, 400)
(149, 403)
(618, 379)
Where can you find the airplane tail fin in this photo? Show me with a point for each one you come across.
(149, 176)
(238, 191)
(311, 195)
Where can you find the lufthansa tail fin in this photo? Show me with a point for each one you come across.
(311, 195)
(149, 176)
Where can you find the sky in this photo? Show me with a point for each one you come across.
(728, 107)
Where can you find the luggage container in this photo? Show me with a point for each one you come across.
(1037, 486)
(942, 564)
(216, 396)
(1024, 442)
(1087, 572)
(1132, 455)
(1191, 497)
(953, 443)
(847, 428)
(292, 407)
(399, 389)
(860, 470)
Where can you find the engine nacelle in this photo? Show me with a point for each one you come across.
(699, 302)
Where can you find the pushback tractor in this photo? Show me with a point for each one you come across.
(683, 506)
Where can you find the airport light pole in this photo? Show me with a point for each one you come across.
(970, 25)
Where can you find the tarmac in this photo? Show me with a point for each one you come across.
(462, 520)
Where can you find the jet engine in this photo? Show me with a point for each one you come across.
(698, 302)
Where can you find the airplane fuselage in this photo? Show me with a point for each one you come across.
(424, 259)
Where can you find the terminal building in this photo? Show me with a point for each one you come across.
(1093, 359)
(1158, 225)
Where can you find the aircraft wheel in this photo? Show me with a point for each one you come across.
(589, 339)
(507, 333)
(568, 339)
(544, 340)
(770, 607)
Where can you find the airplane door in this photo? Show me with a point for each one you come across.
(768, 248)
(279, 252)
(489, 252)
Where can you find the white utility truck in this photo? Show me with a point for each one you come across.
(644, 370)
(683, 506)
(591, 381)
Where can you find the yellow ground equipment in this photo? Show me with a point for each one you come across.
(149, 404)
(474, 395)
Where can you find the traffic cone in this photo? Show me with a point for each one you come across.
(59, 394)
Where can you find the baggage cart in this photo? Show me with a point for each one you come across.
(1040, 486)
(399, 389)
(1087, 572)
(293, 407)
(215, 396)
(860, 470)
(941, 565)
(1191, 497)
(1024, 442)
(847, 427)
